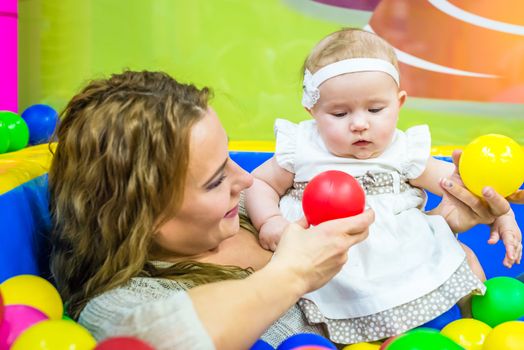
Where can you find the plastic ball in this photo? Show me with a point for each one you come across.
(332, 195)
(467, 332)
(17, 130)
(492, 160)
(503, 301)
(41, 121)
(362, 346)
(388, 341)
(56, 335)
(423, 340)
(441, 321)
(123, 343)
(506, 336)
(33, 291)
(261, 345)
(2, 307)
(17, 319)
(4, 137)
(305, 339)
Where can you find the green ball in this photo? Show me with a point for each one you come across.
(423, 339)
(503, 301)
(4, 137)
(17, 130)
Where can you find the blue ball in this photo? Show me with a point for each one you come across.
(441, 321)
(305, 339)
(261, 345)
(41, 121)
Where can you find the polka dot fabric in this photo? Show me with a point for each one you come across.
(401, 318)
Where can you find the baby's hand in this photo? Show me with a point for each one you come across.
(505, 227)
(270, 232)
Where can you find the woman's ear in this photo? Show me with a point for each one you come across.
(402, 95)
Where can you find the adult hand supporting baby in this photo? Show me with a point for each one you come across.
(463, 210)
(517, 197)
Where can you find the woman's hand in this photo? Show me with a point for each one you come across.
(517, 197)
(462, 209)
(318, 253)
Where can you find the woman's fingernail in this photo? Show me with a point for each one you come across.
(487, 192)
(448, 183)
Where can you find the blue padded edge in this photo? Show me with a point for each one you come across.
(25, 223)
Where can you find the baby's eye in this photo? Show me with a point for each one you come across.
(339, 115)
(375, 110)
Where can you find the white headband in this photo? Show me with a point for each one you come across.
(311, 93)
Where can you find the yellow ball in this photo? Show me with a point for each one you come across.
(492, 160)
(506, 336)
(363, 346)
(467, 332)
(55, 335)
(33, 291)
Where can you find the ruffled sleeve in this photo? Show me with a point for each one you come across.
(286, 144)
(418, 149)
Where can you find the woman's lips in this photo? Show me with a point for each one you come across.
(232, 213)
(361, 143)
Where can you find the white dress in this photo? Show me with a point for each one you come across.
(408, 255)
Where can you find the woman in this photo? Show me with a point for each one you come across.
(144, 199)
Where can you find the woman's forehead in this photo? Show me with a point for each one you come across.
(208, 147)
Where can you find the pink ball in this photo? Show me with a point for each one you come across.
(17, 318)
(1, 308)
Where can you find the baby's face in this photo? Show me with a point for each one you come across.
(357, 113)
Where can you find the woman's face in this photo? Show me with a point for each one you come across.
(209, 211)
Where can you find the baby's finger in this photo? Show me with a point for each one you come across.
(494, 236)
(518, 252)
(302, 222)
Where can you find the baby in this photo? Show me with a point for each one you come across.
(411, 268)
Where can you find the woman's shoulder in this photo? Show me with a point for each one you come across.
(153, 309)
(136, 291)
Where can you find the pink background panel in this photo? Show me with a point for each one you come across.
(8, 55)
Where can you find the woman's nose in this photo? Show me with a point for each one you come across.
(242, 179)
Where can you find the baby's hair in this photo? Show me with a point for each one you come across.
(349, 43)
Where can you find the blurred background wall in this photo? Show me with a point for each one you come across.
(462, 61)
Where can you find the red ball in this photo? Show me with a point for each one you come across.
(332, 195)
(123, 343)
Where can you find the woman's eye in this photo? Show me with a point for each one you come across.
(216, 183)
(375, 110)
(339, 115)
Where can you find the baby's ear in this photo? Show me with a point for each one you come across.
(402, 96)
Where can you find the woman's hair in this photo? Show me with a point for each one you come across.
(117, 175)
(349, 43)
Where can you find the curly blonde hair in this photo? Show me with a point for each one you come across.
(117, 175)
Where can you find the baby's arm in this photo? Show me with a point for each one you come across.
(435, 171)
(270, 183)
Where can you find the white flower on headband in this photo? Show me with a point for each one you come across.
(310, 94)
